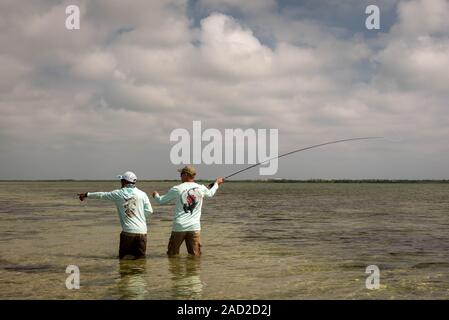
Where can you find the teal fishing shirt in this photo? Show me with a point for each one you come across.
(188, 197)
(133, 207)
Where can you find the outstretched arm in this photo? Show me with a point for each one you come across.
(166, 198)
(113, 195)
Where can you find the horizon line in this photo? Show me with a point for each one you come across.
(245, 180)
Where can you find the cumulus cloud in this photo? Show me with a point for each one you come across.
(231, 49)
(422, 17)
(416, 54)
(95, 66)
(72, 101)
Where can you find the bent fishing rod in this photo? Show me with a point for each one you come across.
(296, 151)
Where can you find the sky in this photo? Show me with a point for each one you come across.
(95, 102)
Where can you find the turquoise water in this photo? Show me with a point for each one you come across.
(260, 241)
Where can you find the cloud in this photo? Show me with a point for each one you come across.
(419, 64)
(95, 66)
(249, 6)
(423, 17)
(416, 53)
(229, 48)
(12, 71)
(134, 72)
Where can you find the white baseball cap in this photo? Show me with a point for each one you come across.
(128, 176)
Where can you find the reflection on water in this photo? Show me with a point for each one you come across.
(185, 276)
(137, 278)
(132, 283)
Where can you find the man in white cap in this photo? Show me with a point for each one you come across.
(134, 208)
(188, 197)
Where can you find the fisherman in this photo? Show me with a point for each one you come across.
(134, 208)
(188, 197)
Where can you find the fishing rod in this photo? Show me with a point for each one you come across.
(295, 151)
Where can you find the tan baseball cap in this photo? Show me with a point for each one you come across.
(190, 170)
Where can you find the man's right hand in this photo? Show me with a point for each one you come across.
(219, 180)
(154, 194)
(82, 196)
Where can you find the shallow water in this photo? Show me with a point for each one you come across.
(260, 241)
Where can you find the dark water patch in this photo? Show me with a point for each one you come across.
(34, 268)
(353, 266)
(91, 257)
(18, 234)
(361, 266)
(425, 265)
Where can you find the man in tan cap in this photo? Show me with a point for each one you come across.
(188, 197)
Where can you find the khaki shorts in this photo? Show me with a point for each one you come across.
(193, 242)
(132, 244)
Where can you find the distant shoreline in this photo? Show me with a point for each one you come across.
(263, 181)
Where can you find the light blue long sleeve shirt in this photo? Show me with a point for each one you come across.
(133, 207)
(188, 197)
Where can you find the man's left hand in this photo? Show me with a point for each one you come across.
(82, 196)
